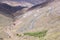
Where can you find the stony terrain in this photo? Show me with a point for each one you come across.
(37, 20)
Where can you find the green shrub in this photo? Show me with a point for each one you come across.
(37, 34)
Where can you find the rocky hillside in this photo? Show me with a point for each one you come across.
(42, 23)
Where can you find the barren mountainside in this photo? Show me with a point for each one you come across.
(38, 22)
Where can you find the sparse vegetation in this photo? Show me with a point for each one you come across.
(18, 35)
(37, 34)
